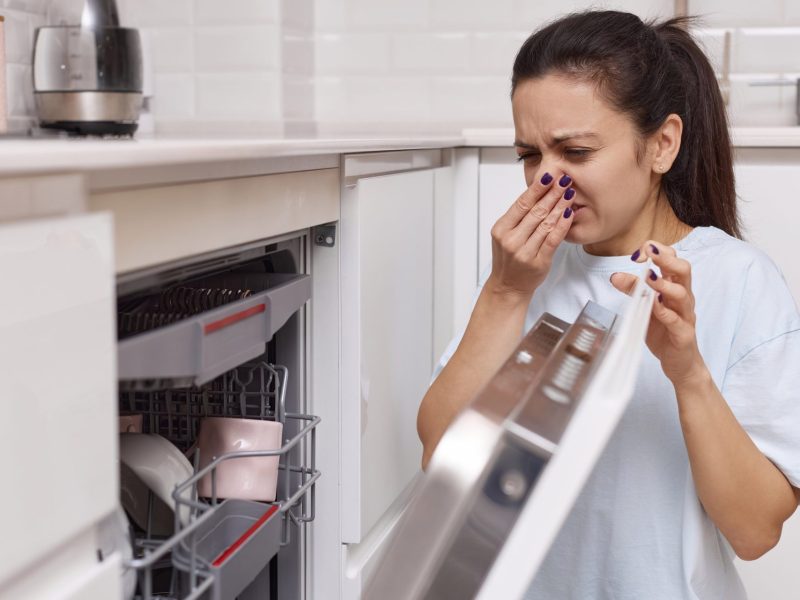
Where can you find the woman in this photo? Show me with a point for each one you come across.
(623, 135)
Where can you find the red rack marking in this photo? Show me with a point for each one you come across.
(234, 318)
(253, 528)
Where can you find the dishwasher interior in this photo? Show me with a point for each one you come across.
(205, 346)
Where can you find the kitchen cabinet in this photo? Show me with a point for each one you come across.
(58, 433)
(501, 182)
(766, 184)
(399, 242)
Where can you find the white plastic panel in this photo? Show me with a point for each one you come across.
(387, 329)
(58, 441)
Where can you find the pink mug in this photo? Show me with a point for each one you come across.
(250, 478)
(130, 423)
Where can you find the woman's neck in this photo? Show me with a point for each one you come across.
(658, 223)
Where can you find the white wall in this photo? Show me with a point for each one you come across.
(22, 18)
(269, 66)
(215, 66)
(445, 64)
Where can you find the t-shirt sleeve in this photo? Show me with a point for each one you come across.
(762, 380)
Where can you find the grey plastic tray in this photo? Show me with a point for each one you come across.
(201, 347)
(237, 543)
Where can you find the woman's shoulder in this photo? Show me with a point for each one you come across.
(728, 270)
(713, 248)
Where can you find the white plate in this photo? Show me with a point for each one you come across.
(114, 535)
(158, 464)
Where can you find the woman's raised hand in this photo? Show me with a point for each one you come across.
(525, 238)
(671, 337)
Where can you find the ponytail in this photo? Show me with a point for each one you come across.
(650, 71)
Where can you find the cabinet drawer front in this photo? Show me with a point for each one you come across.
(58, 441)
(159, 225)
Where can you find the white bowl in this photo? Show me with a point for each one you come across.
(134, 496)
(158, 464)
(253, 478)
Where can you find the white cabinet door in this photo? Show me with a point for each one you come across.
(501, 182)
(58, 440)
(387, 339)
(767, 181)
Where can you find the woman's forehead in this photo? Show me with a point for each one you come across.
(552, 108)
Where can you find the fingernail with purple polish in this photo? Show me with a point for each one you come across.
(653, 275)
(635, 255)
(569, 194)
(565, 181)
(546, 179)
(655, 250)
(567, 212)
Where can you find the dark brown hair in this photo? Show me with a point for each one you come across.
(649, 71)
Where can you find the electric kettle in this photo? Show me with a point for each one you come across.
(87, 77)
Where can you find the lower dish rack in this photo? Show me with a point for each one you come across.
(219, 546)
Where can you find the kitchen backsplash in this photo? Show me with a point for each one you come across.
(444, 63)
(272, 66)
(22, 17)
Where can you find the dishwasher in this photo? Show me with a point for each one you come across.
(221, 336)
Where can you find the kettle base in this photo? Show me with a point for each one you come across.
(94, 128)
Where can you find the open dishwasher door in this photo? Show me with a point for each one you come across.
(508, 470)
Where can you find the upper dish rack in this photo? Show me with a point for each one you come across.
(192, 332)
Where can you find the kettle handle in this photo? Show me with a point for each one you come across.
(100, 13)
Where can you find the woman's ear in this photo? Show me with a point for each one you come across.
(666, 142)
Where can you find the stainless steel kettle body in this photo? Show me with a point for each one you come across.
(87, 77)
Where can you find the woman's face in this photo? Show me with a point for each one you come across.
(563, 126)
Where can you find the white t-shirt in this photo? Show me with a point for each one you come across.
(637, 530)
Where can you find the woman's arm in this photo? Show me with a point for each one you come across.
(745, 495)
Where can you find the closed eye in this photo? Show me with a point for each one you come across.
(529, 156)
(578, 152)
(572, 153)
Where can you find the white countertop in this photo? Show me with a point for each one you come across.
(39, 156)
(32, 156)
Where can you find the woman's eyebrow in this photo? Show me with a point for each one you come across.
(558, 139)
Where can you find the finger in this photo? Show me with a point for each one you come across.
(543, 218)
(668, 317)
(672, 267)
(525, 202)
(672, 294)
(624, 282)
(546, 246)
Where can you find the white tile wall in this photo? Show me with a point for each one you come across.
(740, 13)
(216, 65)
(458, 54)
(22, 17)
(391, 64)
